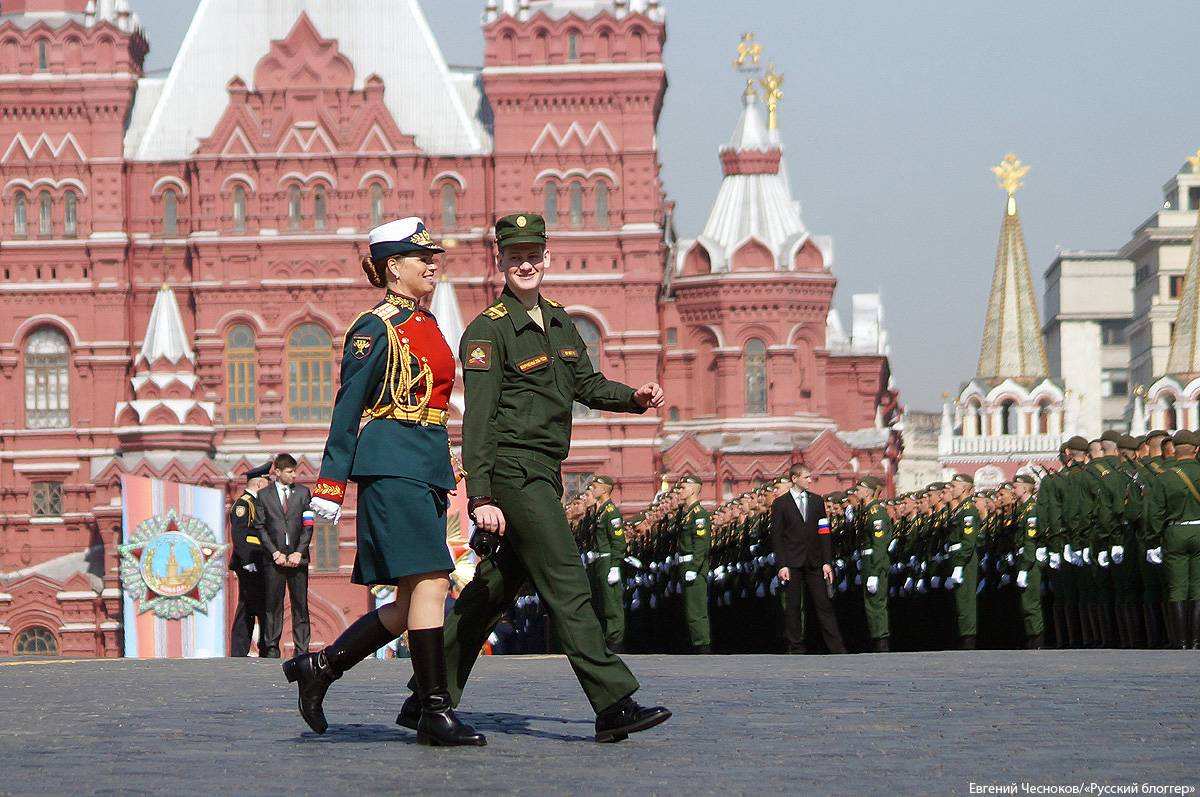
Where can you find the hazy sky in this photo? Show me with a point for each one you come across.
(894, 113)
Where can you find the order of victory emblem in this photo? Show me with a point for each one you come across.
(173, 565)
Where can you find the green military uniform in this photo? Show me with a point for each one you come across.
(962, 545)
(1027, 543)
(876, 564)
(608, 586)
(695, 543)
(1175, 524)
(522, 380)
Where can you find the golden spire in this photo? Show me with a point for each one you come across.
(748, 50)
(772, 84)
(1194, 160)
(1009, 176)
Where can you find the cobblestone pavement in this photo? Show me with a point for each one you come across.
(931, 723)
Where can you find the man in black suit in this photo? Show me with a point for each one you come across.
(282, 507)
(800, 533)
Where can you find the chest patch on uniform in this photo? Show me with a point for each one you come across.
(615, 522)
(360, 346)
(1032, 532)
(479, 355)
(533, 363)
(571, 355)
(240, 511)
(878, 524)
(1031, 522)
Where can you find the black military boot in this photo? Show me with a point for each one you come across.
(1181, 621)
(315, 672)
(1195, 625)
(410, 713)
(438, 726)
(1061, 640)
(1034, 642)
(1154, 636)
(701, 650)
(966, 642)
(615, 723)
(881, 645)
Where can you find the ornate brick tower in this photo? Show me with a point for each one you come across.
(1011, 414)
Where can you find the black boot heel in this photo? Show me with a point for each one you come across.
(291, 671)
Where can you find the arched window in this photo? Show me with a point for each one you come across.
(294, 208)
(576, 204)
(310, 374)
(591, 339)
(1008, 417)
(43, 54)
(551, 203)
(972, 423)
(47, 382)
(35, 641)
(239, 209)
(170, 212)
(602, 220)
(1170, 418)
(604, 46)
(319, 209)
(241, 356)
(376, 204)
(573, 46)
(70, 214)
(637, 45)
(20, 216)
(709, 376)
(45, 214)
(756, 377)
(1043, 416)
(449, 207)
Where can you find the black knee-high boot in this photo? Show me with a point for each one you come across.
(1180, 619)
(315, 672)
(438, 725)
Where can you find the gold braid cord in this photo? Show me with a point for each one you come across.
(399, 382)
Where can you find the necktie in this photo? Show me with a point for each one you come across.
(803, 504)
(287, 493)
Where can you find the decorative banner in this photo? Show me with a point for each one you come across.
(173, 569)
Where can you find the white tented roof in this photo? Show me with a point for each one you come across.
(166, 338)
(390, 38)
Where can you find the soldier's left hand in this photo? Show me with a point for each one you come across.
(650, 396)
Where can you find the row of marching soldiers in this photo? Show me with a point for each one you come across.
(1103, 551)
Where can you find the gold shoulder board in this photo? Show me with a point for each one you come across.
(552, 303)
(386, 311)
(496, 312)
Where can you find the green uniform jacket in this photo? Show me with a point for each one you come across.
(610, 533)
(384, 447)
(1027, 533)
(695, 539)
(1049, 510)
(877, 533)
(1177, 501)
(963, 532)
(521, 384)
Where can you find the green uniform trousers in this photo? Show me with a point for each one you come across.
(965, 611)
(1031, 602)
(876, 606)
(537, 547)
(609, 599)
(1181, 559)
(695, 610)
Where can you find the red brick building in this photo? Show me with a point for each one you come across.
(246, 180)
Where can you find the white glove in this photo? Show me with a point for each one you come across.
(1087, 555)
(250, 568)
(325, 509)
(1102, 558)
(840, 563)
(689, 576)
(1055, 561)
(892, 546)
(843, 586)
(1008, 558)
(908, 584)
(921, 588)
(1005, 578)
(858, 579)
(1040, 554)
(912, 561)
(591, 556)
(632, 562)
(614, 575)
(1022, 579)
(1118, 554)
(936, 582)
(982, 584)
(1154, 556)
(873, 584)
(957, 575)
(1068, 553)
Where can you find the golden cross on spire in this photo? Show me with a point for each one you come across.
(772, 84)
(1010, 173)
(1195, 161)
(748, 50)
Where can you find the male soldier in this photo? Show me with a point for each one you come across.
(1029, 576)
(524, 367)
(695, 541)
(1175, 525)
(961, 546)
(247, 564)
(611, 549)
(875, 563)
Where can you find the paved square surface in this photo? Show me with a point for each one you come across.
(928, 723)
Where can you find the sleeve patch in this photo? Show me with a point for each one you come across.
(240, 511)
(360, 346)
(615, 522)
(479, 355)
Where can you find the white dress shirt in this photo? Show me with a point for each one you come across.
(285, 492)
(801, 499)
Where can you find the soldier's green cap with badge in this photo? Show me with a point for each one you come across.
(870, 482)
(1128, 443)
(1184, 438)
(1111, 436)
(690, 479)
(1157, 433)
(1024, 478)
(963, 477)
(602, 479)
(520, 228)
(1076, 443)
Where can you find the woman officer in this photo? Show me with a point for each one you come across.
(397, 371)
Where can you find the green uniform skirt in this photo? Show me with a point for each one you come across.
(401, 530)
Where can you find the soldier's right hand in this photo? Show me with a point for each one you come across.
(325, 509)
(490, 518)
